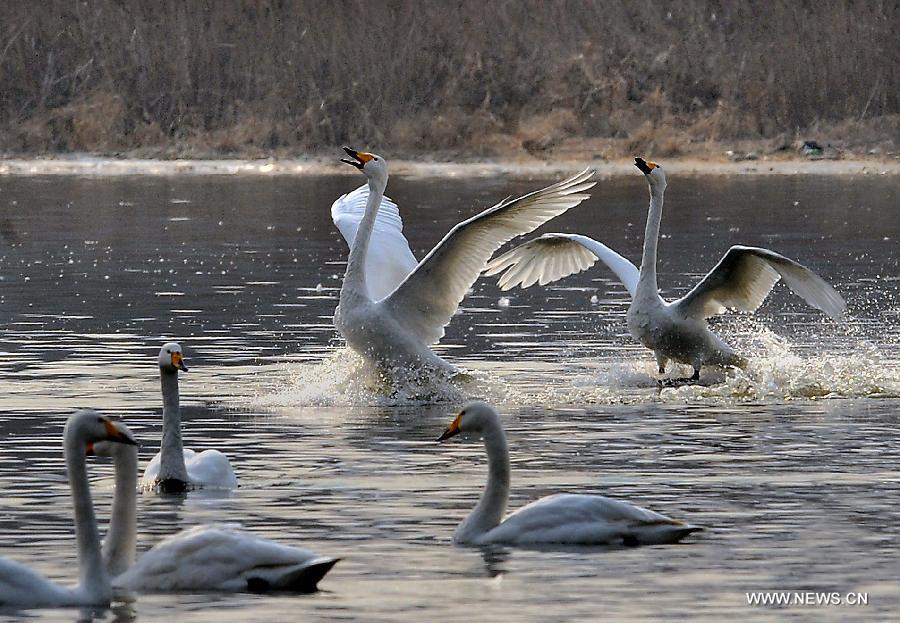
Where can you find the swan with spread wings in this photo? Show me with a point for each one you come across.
(675, 330)
(392, 307)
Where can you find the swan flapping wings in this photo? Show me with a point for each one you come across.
(430, 295)
(551, 257)
(743, 279)
(389, 259)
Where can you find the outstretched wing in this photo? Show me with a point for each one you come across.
(551, 257)
(743, 279)
(430, 295)
(389, 259)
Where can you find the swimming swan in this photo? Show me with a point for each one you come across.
(21, 586)
(678, 330)
(175, 468)
(561, 518)
(393, 308)
(202, 558)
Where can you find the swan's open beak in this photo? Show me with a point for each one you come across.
(178, 362)
(452, 430)
(644, 165)
(114, 433)
(360, 158)
(89, 450)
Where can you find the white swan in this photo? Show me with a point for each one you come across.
(678, 330)
(175, 468)
(561, 518)
(21, 586)
(208, 557)
(393, 308)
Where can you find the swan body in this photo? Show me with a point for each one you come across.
(562, 518)
(207, 557)
(21, 586)
(224, 558)
(676, 330)
(393, 308)
(175, 468)
(209, 469)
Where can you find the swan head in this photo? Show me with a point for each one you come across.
(475, 417)
(171, 357)
(655, 174)
(92, 427)
(372, 165)
(110, 449)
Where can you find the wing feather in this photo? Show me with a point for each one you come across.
(744, 277)
(430, 295)
(389, 259)
(552, 257)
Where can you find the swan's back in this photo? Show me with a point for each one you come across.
(209, 469)
(21, 585)
(587, 519)
(222, 557)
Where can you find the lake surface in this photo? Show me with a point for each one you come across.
(791, 465)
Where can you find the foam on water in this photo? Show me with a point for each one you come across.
(778, 370)
(780, 373)
(343, 379)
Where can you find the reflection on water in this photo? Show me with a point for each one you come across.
(790, 464)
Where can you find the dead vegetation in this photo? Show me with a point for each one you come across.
(463, 79)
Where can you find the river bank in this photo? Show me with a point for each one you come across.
(103, 166)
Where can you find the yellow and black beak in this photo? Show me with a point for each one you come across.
(452, 430)
(644, 165)
(178, 361)
(360, 158)
(114, 433)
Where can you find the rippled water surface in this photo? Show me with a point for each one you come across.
(791, 465)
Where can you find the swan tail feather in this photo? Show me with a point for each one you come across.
(302, 578)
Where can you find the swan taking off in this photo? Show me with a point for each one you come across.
(392, 308)
(21, 586)
(561, 518)
(203, 558)
(175, 469)
(678, 330)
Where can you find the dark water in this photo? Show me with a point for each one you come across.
(791, 465)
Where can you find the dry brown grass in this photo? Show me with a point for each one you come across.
(464, 78)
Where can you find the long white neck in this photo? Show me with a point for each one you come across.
(120, 544)
(489, 511)
(355, 276)
(171, 461)
(92, 578)
(647, 284)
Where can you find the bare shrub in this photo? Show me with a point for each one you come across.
(272, 76)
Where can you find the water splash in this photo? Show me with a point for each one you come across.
(779, 370)
(343, 378)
